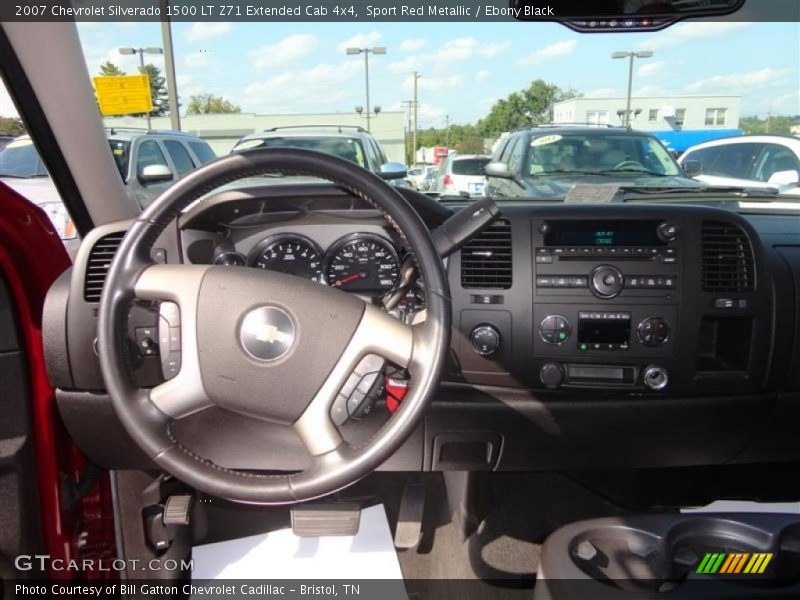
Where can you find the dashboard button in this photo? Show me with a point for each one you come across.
(578, 282)
(544, 282)
(547, 259)
(561, 282)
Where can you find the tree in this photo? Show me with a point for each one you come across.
(531, 106)
(205, 104)
(774, 125)
(158, 90)
(11, 126)
(109, 69)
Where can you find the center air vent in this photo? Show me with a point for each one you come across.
(727, 262)
(100, 258)
(486, 260)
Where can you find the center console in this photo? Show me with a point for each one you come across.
(582, 272)
(638, 299)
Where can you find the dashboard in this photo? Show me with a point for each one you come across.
(616, 336)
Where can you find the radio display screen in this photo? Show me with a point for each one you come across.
(598, 331)
(602, 233)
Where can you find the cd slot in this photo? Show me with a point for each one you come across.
(613, 375)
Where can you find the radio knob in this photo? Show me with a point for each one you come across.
(485, 339)
(653, 331)
(606, 281)
(655, 378)
(552, 375)
(667, 232)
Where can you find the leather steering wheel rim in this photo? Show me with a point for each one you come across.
(147, 414)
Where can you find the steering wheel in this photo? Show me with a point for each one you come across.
(268, 345)
(629, 163)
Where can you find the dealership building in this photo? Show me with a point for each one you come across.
(222, 131)
(678, 121)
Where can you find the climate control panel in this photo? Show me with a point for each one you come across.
(569, 330)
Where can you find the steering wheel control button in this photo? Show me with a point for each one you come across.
(485, 339)
(146, 340)
(606, 281)
(172, 365)
(653, 332)
(555, 329)
(267, 333)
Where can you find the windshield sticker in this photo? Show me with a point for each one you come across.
(545, 139)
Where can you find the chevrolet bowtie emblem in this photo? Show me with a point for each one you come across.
(270, 333)
(267, 333)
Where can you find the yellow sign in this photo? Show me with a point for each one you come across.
(123, 94)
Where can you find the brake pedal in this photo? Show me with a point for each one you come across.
(326, 519)
(409, 522)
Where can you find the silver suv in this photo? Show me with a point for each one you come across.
(150, 160)
(351, 143)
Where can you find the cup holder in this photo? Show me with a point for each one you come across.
(630, 556)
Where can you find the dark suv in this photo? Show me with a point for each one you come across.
(546, 161)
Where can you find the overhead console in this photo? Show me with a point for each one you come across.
(648, 299)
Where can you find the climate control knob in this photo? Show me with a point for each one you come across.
(655, 378)
(606, 281)
(653, 331)
(555, 329)
(485, 339)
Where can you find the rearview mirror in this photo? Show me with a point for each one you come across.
(393, 170)
(692, 168)
(789, 177)
(497, 169)
(621, 15)
(154, 174)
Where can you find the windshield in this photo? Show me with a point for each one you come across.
(121, 151)
(555, 106)
(597, 153)
(346, 148)
(469, 166)
(20, 159)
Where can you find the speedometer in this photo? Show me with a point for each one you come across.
(362, 263)
(290, 253)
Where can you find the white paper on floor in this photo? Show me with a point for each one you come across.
(369, 554)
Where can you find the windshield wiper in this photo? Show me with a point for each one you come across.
(634, 170)
(568, 172)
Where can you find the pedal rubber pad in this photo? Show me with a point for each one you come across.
(326, 519)
(409, 521)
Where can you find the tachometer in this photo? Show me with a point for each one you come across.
(289, 253)
(362, 263)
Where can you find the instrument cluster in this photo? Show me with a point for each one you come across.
(362, 263)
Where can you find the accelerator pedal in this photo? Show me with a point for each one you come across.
(326, 519)
(409, 521)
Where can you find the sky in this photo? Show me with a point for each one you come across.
(276, 68)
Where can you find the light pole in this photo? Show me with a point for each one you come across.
(141, 52)
(366, 52)
(630, 56)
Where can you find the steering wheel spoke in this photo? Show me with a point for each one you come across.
(378, 333)
(184, 393)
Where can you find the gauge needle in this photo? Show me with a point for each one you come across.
(348, 279)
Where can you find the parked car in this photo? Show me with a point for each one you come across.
(760, 161)
(462, 175)
(546, 162)
(417, 175)
(351, 143)
(148, 162)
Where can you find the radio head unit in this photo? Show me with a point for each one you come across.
(603, 233)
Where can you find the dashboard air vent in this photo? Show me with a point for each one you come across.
(486, 260)
(100, 258)
(727, 262)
